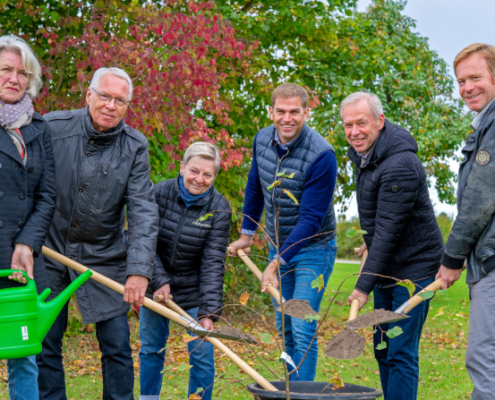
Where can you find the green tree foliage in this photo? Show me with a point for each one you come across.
(445, 222)
(333, 50)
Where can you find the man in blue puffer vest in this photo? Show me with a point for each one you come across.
(303, 231)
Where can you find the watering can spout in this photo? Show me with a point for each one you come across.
(49, 311)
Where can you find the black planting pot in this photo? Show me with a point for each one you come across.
(303, 390)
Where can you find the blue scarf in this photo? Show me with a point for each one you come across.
(189, 198)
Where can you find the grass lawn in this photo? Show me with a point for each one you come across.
(443, 346)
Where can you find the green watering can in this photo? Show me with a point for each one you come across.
(25, 318)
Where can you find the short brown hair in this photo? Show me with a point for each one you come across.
(287, 90)
(486, 50)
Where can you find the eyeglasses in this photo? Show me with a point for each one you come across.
(105, 98)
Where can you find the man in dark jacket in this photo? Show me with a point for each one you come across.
(403, 238)
(103, 174)
(302, 232)
(472, 239)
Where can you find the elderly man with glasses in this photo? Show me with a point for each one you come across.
(103, 175)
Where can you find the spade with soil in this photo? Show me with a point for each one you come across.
(347, 343)
(294, 308)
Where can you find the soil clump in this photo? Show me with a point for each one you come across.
(347, 344)
(297, 309)
(375, 317)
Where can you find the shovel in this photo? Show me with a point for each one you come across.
(347, 343)
(162, 310)
(294, 308)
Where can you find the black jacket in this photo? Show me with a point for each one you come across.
(101, 178)
(190, 253)
(27, 196)
(403, 237)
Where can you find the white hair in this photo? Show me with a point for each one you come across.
(374, 103)
(203, 150)
(30, 63)
(95, 82)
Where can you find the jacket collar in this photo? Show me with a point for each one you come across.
(294, 143)
(200, 202)
(29, 133)
(101, 138)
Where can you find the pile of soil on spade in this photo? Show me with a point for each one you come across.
(347, 344)
(297, 309)
(228, 330)
(375, 317)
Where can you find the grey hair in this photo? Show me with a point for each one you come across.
(203, 150)
(95, 82)
(30, 62)
(374, 102)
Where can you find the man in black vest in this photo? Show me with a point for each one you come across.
(472, 239)
(403, 237)
(303, 230)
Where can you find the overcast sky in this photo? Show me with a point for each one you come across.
(450, 25)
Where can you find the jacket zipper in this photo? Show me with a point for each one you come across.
(176, 238)
(275, 212)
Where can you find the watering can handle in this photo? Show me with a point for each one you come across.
(8, 272)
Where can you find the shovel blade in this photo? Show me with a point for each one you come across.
(346, 345)
(196, 328)
(299, 309)
(376, 317)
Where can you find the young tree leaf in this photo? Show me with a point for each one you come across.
(350, 233)
(290, 176)
(273, 185)
(408, 285)
(244, 298)
(184, 367)
(318, 283)
(426, 295)
(266, 338)
(204, 217)
(394, 332)
(281, 173)
(290, 195)
(441, 291)
(337, 382)
(381, 346)
(311, 318)
(361, 232)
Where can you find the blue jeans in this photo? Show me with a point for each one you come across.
(297, 275)
(116, 359)
(399, 361)
(154, 332)
(23, 378)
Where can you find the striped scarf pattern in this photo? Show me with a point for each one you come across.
(13, 117)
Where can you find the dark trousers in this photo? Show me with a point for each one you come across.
(116, 359)
(399, 361)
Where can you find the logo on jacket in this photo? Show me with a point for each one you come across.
(202, 225)
(482, 157)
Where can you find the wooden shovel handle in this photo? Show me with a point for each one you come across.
(162, 310)
(353, 313)
(255, 270)
(416, 299)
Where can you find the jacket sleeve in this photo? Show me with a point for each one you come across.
(160, 275)
(142, 217)
(39, 221)
(396, 197)
(477, 207)
(213, 266)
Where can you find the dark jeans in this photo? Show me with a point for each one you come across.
(399, 361)
(116, 359)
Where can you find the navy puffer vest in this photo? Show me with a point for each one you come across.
(302, 151)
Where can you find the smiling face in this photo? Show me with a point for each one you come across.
(13, 77)
(288, 116)
(476, 83)
(107, 115)
(198, 174)
(361, 129)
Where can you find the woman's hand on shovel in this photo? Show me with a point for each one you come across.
(270, 276)
(356, 294)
